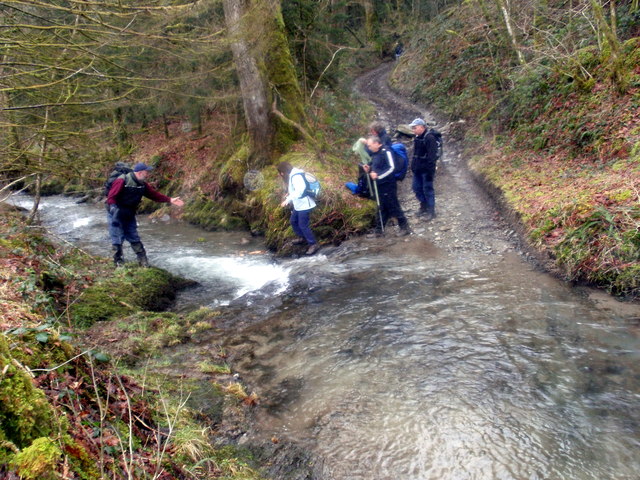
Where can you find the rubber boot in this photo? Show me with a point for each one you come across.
(404, 228)
(430, 214)
(118, 258)
(141, 254)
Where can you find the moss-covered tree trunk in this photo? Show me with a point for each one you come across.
(370, 20)
(272, 99)
(610, 39)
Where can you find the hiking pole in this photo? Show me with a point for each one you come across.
(375, 190)
(368, 182)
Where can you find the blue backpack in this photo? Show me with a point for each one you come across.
(401, 160)
(312, 185)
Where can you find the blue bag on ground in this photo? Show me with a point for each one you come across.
(362, 187)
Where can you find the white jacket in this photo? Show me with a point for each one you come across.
(296, 189)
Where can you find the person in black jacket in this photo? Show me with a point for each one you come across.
(380, 169)
(123, 200)
(423, 166)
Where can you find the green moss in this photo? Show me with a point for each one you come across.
(208, 367)
(231, 173)
(25, 413)
(627, 282)
(234, 462)
(338, 215)
(202, 314)
(602, 251)
(621, 195)
(81, 463)
(38, 461)
(129, 290)
(29, 351)
(213, 215)
(145, 335)
(284, 81)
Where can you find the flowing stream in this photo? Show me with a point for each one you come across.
(225, 264)
(398, 359)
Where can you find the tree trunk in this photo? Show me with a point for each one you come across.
(253, 85)
(610, 38)
(271, 95)
(43, 152)
(369, 19)
(503, 5)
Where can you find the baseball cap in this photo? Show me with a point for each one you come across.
(139, 167)
(416, 122)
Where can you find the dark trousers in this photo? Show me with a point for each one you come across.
(122, 228)
(389, 205)
(423, 188)
(300, 222)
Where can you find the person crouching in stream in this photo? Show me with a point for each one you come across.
(302, 205)
(123, 200)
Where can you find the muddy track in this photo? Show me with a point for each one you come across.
(468, 219)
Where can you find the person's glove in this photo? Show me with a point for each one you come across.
(114, 211)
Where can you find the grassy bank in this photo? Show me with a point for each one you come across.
(559, 138)
(82, 403)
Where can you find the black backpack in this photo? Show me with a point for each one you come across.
(438, 136)
(120, 168)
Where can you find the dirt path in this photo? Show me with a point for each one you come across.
(468, 220)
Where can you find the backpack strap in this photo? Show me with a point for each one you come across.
(306, 183)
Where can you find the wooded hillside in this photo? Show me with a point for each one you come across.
(550, 94)
(546, 87)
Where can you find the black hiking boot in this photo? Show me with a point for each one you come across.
(141, 254)
(313, 248)
(118, 258)
(142, 259)
(430, 215)
(423, 209)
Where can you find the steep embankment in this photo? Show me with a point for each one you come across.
(66, 410)
(558, 143)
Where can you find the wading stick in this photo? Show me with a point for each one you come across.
(375, 189)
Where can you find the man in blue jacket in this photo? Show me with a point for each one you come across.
(423, 166)
(381, 169)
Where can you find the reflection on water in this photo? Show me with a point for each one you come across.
(425, 370)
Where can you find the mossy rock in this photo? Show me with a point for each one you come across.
(339, 213)
(40, 348)
(213, 215)
(128, 291)
(25, 413)
(38, 461)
